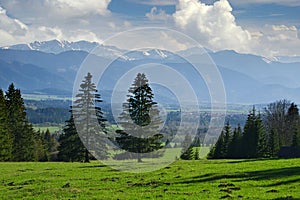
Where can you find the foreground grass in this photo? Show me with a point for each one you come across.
(241, 179)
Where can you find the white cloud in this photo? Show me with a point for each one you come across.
(156, 14)
(280, 2)
(71, 8)
(156, 2)
(213, 26)
(283, 28)
(31, 20)
(279, 40)
(11, 26)
(62, 9)
(14, 31)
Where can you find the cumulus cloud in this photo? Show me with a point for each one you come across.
(280, 2)
(11, 26)
(212, 25)
(25, 21)
(29, 9)
(14, 31)
(71, 8)
(156, 2)
(158, 14)
(279, 40)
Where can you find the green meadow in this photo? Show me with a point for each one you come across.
(203, 179)
(52, 129)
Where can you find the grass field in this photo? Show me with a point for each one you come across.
(205, 179)
(52, 129)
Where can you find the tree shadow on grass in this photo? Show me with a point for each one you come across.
(249, 175)
(93, 166)
(251, 160)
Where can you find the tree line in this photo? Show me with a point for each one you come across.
(18, 140)
(139, 134)
(263, 136)
(86, 131)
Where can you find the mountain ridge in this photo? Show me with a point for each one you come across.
(243, 74)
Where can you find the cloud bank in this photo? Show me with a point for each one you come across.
(213, 25)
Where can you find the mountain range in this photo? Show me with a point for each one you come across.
(50, 67)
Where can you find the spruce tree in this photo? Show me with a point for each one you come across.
(23, 133)
(218, 151)
(71, 148)
(296, 137)
(6, 138)
(40, 153)
(250, 138)
(227, 139)
(262, 146)
(89, 119)
(234, 147)
(187, 148)
(292, 120)
(273, 143)
(140, 120)
(197, 154)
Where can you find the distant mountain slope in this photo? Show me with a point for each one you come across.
(247, 78)
(29, 77)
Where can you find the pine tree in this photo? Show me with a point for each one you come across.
(197, 154)
(234, 147)
(273, 143)
(23, 133)
(71, 148)
(250, 138)
(262, 146)
(187, 148)
(227, 139)
(40, 153)
(292, 120)
(140, 120)
(218, 151)
(296, 137)
(6, 138)
(89, 119)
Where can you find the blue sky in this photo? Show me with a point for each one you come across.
(262, 27)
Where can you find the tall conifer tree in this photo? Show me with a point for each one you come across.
(6, 138)
(23, 133)
(140, 120)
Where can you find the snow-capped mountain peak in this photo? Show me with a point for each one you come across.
(55, 46)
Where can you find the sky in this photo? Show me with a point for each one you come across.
(261, 27)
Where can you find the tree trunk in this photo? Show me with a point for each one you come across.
(86, 156)
(139, 159)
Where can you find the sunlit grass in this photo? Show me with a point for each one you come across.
(204, 179)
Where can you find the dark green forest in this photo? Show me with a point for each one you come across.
(18, 140)
(268, 133)
(273, 133)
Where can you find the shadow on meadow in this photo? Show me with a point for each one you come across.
(93, 166)
(258, 175)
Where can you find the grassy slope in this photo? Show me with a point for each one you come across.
(255, 179)
(52, 129)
